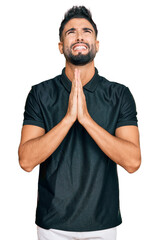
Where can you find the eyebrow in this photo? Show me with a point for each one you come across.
(73, 29)
(88, 29)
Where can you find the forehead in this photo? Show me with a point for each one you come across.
(78, 23)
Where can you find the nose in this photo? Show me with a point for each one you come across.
(79, 36)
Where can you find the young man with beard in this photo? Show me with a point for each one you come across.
(78, 126)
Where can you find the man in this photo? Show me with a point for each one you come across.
(78, 126)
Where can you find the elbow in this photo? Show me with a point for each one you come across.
(25, 166)
(134, 166)
(23, 162)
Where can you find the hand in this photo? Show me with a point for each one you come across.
(82, 112)
(72, 104)
(77, 107)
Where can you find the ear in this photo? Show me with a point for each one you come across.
(60, 44)
(97, 45)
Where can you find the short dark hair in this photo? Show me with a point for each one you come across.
(77, 12)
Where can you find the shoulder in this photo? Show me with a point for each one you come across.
(46, 86)
(49, 83)
(112, 87)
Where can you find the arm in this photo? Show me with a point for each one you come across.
(36, 146)
(123, 148)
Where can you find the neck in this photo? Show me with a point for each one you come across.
(86, 72)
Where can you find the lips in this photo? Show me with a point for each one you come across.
(79, 46)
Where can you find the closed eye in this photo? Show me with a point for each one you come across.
(88, 30)
(70, 32)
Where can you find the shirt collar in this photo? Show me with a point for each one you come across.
(90, 86)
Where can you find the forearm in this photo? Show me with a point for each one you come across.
(36, 151)
(122, 152)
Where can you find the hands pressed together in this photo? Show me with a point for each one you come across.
(77, 107)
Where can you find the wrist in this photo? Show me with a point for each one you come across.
(69, 120)
(85, 120)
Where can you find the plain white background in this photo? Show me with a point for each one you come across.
(129, 54)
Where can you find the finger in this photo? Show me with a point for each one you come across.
(79, 81)
(76, 72)
(79, 88)
(74, 78)
(74, 86)
(78, 75)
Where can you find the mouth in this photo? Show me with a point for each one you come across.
(79, 47)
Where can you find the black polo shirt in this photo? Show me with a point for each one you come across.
(78, 184)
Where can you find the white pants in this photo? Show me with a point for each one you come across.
(54, 234)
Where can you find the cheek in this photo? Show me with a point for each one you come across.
(93, 47)
(67, 45)
(66, 50)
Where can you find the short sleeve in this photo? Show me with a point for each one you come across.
(128, 113)
(32, 113)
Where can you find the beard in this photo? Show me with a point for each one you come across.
(80, 59)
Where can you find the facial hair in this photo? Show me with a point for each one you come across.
(80, 59)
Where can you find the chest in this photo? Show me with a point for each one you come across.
(103, 108)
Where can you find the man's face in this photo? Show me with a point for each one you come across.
(79, 44)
